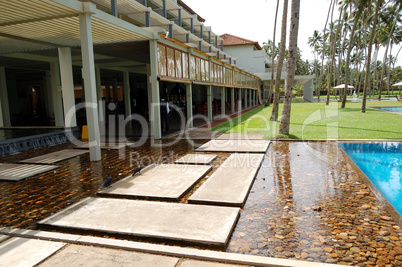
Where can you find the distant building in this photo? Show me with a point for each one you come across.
(250, 56)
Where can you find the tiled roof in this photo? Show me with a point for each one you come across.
(229, 40)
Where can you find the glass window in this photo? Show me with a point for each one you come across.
(185, 66)
(198, 68)
(179, 73)
(170, 62)
(207, 70)
(162, 60)
(202, 69)
(192, 67)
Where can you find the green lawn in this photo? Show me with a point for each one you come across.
(318, 121)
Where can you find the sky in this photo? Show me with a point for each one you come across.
(254, 20)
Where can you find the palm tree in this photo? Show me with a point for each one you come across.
(273, 57)
(366, 80)
(294, 30)
(275, 107)
(388, 33)
(331, 7)
(350, 46)
(314, 42)
(333, 49)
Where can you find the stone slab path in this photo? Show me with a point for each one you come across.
(230, 183)
(250, 146)
(244, 136)
(196, 159)
(195, 263)
(16, 172)
(26, 252)
(194, 224)
(76, 255)
(55, 156)
(3, 238)
(165, 181)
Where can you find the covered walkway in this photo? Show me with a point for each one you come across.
(74, 63)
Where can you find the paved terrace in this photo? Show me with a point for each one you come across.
(306, 204)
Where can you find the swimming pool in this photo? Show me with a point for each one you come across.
(392, 109)
(382, 164)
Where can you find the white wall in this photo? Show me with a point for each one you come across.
(247, 58)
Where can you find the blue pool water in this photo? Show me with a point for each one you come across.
(393, 109)
(382, 164)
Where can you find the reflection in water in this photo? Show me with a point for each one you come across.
(301, 206)
(304, 207)
(6, 134)
(24, 203)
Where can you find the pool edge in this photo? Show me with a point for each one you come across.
(388, 206)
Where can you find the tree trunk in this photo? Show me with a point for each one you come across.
(275, 107)
(389, 70)
(323, 43)
(348, 60)
(294, 29)
(385, 54)
(375, 82)
(382, 71)
(366, 79)
(331, 63)
(273, 58)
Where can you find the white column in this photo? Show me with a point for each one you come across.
(308, 91)
(67, 85)
(223, 100)
(99, 94)
(90, 84)
(4, 107)
(232, 100)
(56, 94)
(189, 101)
(209, 101)
(127, 92)
(239, 106)
(155, 110)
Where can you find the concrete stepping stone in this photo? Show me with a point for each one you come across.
(185, 223)
(16, 172)
(76, 255)
(245, 136)
(196, 263)
(55, 156)
(230, 183)
(196, 159)
(240, 145)
(26, 252)
(163, 182)
(3, 238)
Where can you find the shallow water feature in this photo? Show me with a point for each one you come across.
(307, 203)
(24, 203)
